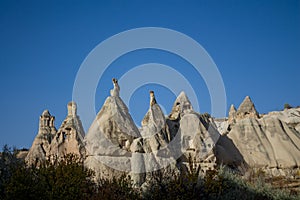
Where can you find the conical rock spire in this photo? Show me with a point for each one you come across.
(181, 106)
(109, 138)
(246, 109)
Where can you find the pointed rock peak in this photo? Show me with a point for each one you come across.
(72, 120)
(247, 99)
(46, 122)
(72, 108)
(182, 97)
(46, 113)
(116, 90)
(41, 143)
(113, 125)
(69, 137)
(181, 105)
(232, 108)
(154, 117)
(247, 108)
(232, 114)
(246, 104)
(152, 98)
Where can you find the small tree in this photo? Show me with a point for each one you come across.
(61, 179)
(8, 163)
(287, 106)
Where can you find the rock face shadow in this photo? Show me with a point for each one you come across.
(114, 146)
(228, 154)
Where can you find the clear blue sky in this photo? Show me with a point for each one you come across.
(255, 44)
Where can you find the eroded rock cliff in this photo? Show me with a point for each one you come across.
(114, 145)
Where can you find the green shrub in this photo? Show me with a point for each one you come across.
(69, 179)
(64, 179)
(121, 188)
(287, 106)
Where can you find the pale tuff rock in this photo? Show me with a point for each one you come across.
(154, 124)
(222, 125)
(153, 145)
(109, 138)
(152, 98)
(270, 142)
(138, 167)
(41, 144)
(232, 114)
(246, 109)
(154, 128)
(22, 154)
(198, 139)
(225, 124)
(114, 145)
(181, 106)
(290, 116)
(266, 142)
(115, 92)
(196, 134)
(51, 144)
(148, 117)
(114, 122)
(69, 137)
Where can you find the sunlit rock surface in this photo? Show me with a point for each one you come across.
(114, 146)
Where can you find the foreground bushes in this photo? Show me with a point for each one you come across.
(69, 179)
(216, 184)
(66, 179)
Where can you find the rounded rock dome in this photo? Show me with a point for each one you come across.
(46, 113)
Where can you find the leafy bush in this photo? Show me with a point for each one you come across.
(65, 179)
(8, 164)
(121, 189)
(287, 106)
(69, 179)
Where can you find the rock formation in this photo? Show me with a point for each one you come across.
(258, 142)
(289, 116)
(246, 109)
(270, 142)
(153, 144)
(154, 127)
(109, 138)
(232, 115)
(41, 144)
(197, 134)
(69, 137)
(51, 144)
(114, 145)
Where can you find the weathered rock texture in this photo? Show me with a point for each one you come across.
(197, 134)
(41, 144)
(114, 145)
(232, 114)
(270, 142)
(51, 144)
(246, 109)
(150, 152)
(267, 142)
(69, 137)
(109, 138)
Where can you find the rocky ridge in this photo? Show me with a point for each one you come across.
(51, 144)
(114, 145)
(270, 141)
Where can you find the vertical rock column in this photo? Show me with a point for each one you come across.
(138, 175)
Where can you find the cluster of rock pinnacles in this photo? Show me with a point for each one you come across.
(114, 145)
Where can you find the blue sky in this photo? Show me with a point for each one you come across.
(255, 45)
